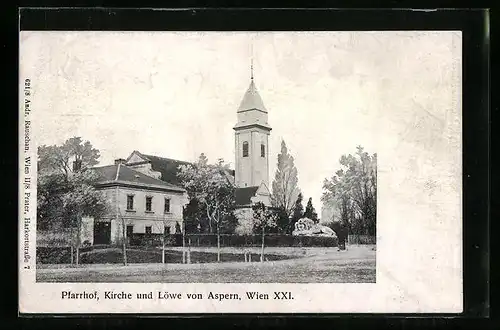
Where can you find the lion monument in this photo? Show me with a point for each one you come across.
(307, 227)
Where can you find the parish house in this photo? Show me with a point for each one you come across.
(141, 203)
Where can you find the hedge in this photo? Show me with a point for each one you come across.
(232, 240)
(57, 254)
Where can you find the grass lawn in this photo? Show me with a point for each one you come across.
(301, 265)
(115, 256)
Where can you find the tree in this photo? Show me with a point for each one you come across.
(82, 200)
(51, 189)
(342, 232)
(263, 219)
(285, 188)
(229, 223)
(310, 212)
(353, 190)
(160, 226)
(210, 185)
(194, 215)
(66, 194)
(73, 154)
(298, 212)
(282, 219)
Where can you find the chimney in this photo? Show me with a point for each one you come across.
(77, 165)
(120, 161)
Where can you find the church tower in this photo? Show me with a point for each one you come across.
(251, 135)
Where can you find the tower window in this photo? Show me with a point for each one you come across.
(262, 150)
(245, 149)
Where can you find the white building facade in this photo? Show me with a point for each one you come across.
(143, 204)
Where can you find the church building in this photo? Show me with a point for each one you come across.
(251, 140)
(250, 175)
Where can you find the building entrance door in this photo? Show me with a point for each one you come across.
(102, 233)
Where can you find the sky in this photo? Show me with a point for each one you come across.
(175, 94)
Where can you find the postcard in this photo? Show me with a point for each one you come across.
(240, 172)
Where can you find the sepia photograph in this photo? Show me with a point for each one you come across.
(194, 163)
(163, 163)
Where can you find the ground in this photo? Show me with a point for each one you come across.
(308, 265)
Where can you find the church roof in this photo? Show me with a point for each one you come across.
(121, 174)
(243, 196)
(252, 100)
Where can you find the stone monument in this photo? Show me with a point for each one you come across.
(307, 227)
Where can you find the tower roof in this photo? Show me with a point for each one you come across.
(251, 99)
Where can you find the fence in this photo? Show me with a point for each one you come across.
(361, 239)
(64, 254)
(66, 238)
(232, 240)
(141, 239)
(271, 240)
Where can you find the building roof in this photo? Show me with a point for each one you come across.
(121, 174)
(243, 196)
(252, 100)
(169, 168)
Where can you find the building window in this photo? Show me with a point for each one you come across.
(167, 230)
(262, 150)
(167, 205)
(148, 230)
(245, 149)
(149, 203)
(130, 202)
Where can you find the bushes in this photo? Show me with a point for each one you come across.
(57, 254)
(362, 239)
(59, 237)
(53, 255)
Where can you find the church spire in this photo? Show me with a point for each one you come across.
(251, 68)
(251, 99)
